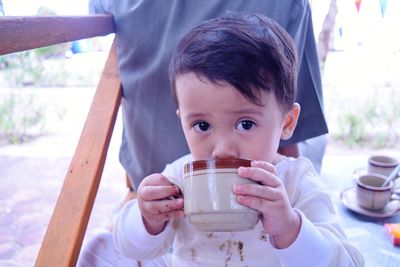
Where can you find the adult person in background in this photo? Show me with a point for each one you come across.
(147, 32)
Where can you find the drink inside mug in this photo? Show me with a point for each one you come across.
(369, 191)
(209, 202)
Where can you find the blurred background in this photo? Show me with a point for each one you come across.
(358, 47)
(45, 95)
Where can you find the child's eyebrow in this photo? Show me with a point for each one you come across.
(193, 115)
(248, 111)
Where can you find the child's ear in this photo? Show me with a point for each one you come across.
(290, 123)
(178, 113)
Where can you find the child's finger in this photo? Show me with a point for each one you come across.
(259, 175)
(163, 210)
(170, 215)
(149, 193)
(162, 206)
(262, 205)
(264, 165)
(169, 205)
(251, 202)
(258, 190)
(156, 179)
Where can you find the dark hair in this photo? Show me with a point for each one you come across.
(250, 52)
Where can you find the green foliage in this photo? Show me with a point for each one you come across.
(354, 128)
(47, 67)
(22, 68)
(28, 68)
(20, 118)
(373, 121)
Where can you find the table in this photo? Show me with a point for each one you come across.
(366, 233)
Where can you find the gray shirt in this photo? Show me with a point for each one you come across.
(147, 32)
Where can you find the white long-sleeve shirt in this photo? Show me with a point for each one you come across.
(320, 242)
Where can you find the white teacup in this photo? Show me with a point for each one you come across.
(369, 191)
(209, 202)
(382, 164)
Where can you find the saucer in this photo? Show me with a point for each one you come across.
(348, 198)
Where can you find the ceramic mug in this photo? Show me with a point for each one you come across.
(209, 202)
(369, 191)
(381, 164)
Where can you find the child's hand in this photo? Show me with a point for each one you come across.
(269, 197)
(156, 202)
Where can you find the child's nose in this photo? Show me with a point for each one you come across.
(224, 149)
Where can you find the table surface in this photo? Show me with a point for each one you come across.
(366, 233)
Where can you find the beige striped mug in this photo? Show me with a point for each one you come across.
(209, 202)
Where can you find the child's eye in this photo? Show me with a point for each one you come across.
(202, 126)
(245, 125)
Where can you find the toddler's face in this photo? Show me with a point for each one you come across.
(219, 122)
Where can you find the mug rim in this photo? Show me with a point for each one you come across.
(383, 161)
(374, 188)
(218, 163)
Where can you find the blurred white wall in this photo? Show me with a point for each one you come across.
(30, 7)
(367, 27)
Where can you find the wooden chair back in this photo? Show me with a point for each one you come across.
(67, 226)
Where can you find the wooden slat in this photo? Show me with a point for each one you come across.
(68, 223)
(23, 33)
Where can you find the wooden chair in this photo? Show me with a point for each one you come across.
(65, 232)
